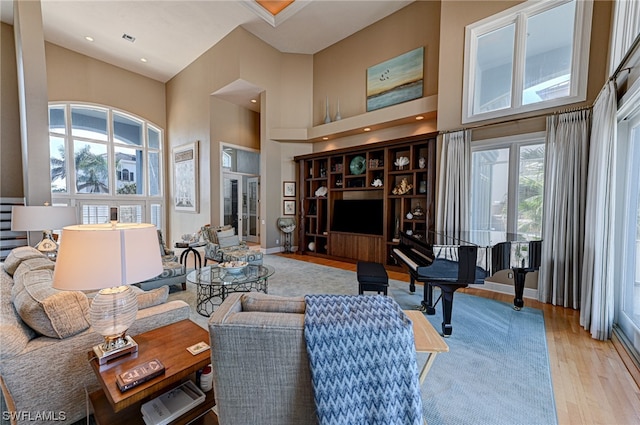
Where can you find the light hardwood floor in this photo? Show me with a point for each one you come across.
(590, 382)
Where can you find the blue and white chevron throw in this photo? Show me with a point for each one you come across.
(363, 361)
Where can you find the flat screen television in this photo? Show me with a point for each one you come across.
(358, 216)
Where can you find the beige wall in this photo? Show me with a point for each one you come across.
(10, 150)
(340, 71)
(195, 114)
(79, 78)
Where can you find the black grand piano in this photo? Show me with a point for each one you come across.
(452, 263)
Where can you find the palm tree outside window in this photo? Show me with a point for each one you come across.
(117, 161)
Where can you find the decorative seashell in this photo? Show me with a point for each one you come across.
(377, 183)
(401, 161)
(322, 191)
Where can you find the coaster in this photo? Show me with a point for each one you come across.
(198, 348)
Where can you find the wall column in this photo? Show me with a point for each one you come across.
(33, 101)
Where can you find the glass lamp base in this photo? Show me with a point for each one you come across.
(104, 356)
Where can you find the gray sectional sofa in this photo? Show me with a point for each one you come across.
(45, 338)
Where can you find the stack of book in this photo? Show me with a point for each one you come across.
(172, 404)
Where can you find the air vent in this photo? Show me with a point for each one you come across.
(129, 37)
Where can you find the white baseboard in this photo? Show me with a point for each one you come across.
(506, 289)
(278, 249)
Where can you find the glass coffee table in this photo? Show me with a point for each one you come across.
(214, 284)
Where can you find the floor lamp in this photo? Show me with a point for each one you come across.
(109, 258)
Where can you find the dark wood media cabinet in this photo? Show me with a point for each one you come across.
(360, 173)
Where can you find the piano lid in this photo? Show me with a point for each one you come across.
(481, 238)
(496, 250)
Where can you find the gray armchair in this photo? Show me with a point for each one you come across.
(260, 366)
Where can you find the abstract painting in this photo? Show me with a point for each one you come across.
(395, 81)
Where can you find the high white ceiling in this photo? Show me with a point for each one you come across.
(173, 33)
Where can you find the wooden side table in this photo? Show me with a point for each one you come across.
(167, 344)
(427, 340)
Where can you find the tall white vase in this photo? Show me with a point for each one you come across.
(327, 117)
(338, 116)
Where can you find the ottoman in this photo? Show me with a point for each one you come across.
(372, 277)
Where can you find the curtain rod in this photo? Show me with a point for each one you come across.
(621, 68)
(630, 51)
(531, 117)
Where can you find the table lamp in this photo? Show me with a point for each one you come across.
(45, 218)
(109, 258)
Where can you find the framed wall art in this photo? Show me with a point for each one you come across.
(185, 177)
(395, 81)
(289, 207)
(289, 189)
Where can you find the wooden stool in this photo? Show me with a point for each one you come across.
(372, 277)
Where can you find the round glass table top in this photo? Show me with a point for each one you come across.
(214, 275)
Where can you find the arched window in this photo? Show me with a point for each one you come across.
(117, 162)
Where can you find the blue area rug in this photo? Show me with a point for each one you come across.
(497, 368)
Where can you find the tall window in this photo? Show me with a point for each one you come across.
(529, 57)
(628, 307)
(507, 186)
(117, 161)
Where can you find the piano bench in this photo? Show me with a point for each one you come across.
(372, 277)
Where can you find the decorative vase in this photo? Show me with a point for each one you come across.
(327, 117)
(338, 117)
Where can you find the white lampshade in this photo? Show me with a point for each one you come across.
(97, 256)
(109, 257)
(32, 218)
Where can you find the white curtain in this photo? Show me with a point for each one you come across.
(597, 303)
(454, 186)
(566, 159)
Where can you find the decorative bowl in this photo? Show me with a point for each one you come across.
(190, 237)
(233, 267)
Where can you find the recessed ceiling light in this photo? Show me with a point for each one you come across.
(419, 117)
(88, 38)
(325, 138)
(367, 129)
(253, 101)
(143, 60)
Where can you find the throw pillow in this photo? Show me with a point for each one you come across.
(153, 297)
(48, 311)
(223, 233)
(18, 255)
(228, 241)
(210, 234)
(28, 265)
(15, 333)
(272, 303)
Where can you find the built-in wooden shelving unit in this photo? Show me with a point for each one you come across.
(366, 173)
